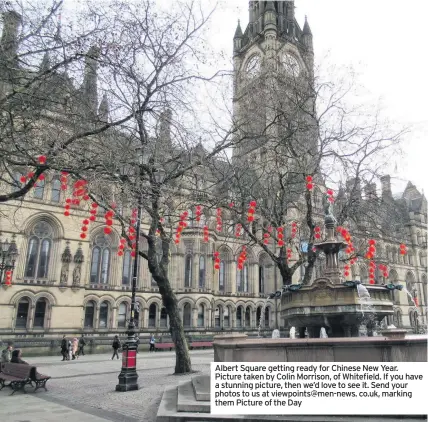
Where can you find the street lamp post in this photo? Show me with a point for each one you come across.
(128, 377)
(8, 254)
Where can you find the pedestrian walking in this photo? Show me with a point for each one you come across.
(64, 348)
(82, 344)
(69, 350)
(75, 346)
(6, 354)
(152, 343)
(116, 346)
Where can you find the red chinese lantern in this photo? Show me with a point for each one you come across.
(107, 230)
(309, 186)
(82, 235)
(231, 205)
(309, 179)
(84, 228)
(120, 253)
(23, 179)
(8, 278)
(42, 159)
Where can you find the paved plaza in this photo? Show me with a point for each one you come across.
(84, 389)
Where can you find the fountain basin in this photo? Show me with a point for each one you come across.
(336, 307)
(412, 348)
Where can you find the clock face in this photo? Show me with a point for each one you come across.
(253, 66)
(290, 64)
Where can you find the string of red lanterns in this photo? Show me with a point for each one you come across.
(181, 226)
(309, 184)
(293, 229)
(280, 236)
(8, 278)
(317, 232)
(289, 254)
(206, 234)
(219, 220)
(238, 230)
(371, 251)
(198, 213)
(242, 258)
(403, 249)
(251, 211)
(330, 196)
(216, 260)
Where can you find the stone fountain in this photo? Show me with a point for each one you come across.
(330, 302)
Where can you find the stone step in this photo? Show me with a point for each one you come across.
(201, 387)
(186, 400)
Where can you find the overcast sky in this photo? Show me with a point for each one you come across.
(385, 42)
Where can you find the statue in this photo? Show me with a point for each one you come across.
(76, 275)
(64, 274)
(329, 218)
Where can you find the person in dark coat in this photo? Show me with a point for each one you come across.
(82, 344)
(16, 357)
(116, 346)
(64, 348)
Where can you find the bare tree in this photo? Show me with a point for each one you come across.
(136, 147)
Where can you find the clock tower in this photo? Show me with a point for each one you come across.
(272, 59)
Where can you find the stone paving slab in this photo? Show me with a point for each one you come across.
(88, 385)
(35, 409)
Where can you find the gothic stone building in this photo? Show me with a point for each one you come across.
(65, 285)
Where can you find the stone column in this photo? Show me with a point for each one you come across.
(145, 318)
(256, 291)
(113, 321)
(194, 317)
(254, 318)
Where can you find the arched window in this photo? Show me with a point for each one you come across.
(39, 189)
(222, 276)
(188, 271)
(261, 278)
(239, 312)
(258, 315)
(103, 321)
(217, 316)
(226, 317)
(201, 315)
(397, 318)
(248, 317)
(22, 313)
(152, 315)
(121, 315)
(89, 314)
(242, 279)
(187, 316)
(100, 262)
(39, 250)
(267, 317)
(127, 268)
(39, 313)
(56, 190)
(201, 272)
(163, 318)
(410, 259)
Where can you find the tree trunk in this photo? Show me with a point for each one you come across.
(182, 357)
